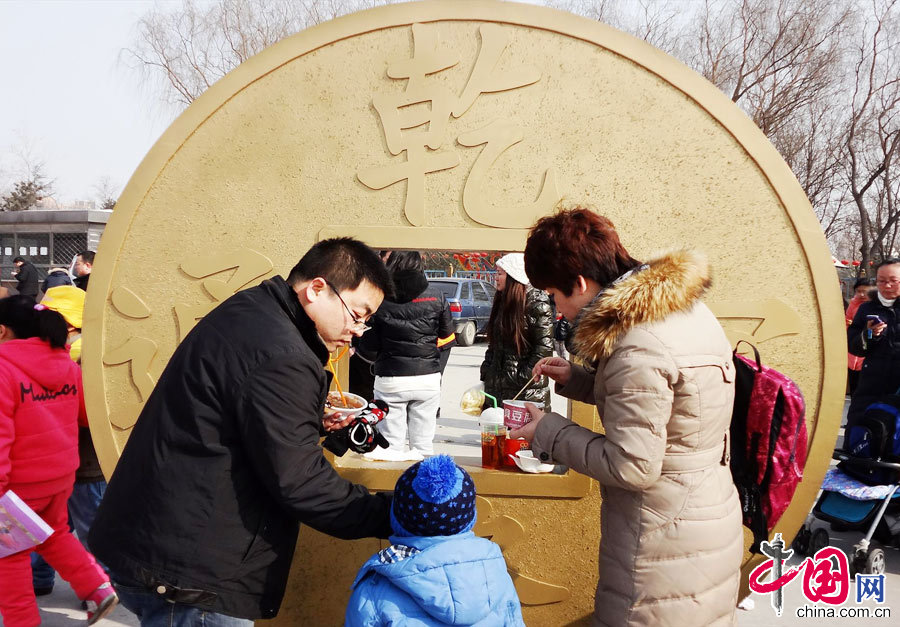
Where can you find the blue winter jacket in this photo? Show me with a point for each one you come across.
(453, 580)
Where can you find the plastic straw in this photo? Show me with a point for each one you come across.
(491, 397)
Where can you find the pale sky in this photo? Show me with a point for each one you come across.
(65, 93)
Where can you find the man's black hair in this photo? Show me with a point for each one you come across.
(18, 259)
(345, 263)
(863, 281)
(890, 261)
(87, 256)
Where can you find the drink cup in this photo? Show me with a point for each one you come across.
(511, 447)
(493, 438)
(515, 415)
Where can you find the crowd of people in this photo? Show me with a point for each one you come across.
(47, 456)
(227, 459)
(409, 343)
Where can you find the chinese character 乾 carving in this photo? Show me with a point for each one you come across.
(416, 122)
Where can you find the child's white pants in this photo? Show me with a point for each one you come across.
(413, 402)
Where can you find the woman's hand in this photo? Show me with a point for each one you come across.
(528, 430)
(557, 368)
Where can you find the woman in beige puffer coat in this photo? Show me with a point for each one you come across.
(659, 370)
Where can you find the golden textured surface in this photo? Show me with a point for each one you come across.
(455, 134)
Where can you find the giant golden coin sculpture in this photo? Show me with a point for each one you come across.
(453, 126)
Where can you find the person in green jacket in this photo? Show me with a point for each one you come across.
(520, 333)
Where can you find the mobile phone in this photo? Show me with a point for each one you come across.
(876, 320)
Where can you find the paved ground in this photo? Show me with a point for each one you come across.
(458, 434)
(63, 609)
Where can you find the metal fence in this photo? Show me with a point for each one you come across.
(66, 245)
(44, 250)
(484, 275)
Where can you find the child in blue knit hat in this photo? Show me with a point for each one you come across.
(436, 571)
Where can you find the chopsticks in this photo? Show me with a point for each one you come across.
(337, 381)
(519, 393)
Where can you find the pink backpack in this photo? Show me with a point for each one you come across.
(768, 443)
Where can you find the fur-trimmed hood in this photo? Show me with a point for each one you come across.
(673, 282)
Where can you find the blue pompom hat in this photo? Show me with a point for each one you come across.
(433, 498)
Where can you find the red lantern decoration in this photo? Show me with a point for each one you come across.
(855, 263)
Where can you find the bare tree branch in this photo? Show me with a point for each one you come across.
(187, 49)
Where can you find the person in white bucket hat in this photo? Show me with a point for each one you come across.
(520, 333)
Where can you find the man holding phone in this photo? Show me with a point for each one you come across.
(875, 335)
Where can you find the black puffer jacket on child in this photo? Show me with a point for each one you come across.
(405, 331)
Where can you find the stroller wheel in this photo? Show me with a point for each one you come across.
(875, 562)
(857, 562)
(802, 540)
(819, 540)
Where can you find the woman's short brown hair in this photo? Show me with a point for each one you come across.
(574, 242)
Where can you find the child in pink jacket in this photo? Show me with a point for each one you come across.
(41, 406)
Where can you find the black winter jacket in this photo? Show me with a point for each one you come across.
(27, 278)
(404, 334)
(55, 279)
(504, 372)
(224, 462)
(881, 370)
(81, 282)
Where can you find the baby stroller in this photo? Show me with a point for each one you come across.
(848, 505)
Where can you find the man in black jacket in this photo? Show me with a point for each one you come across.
(27, 276)
(84, 263)
(224, 461)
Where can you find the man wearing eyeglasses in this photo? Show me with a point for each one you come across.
(875, 335)
(201, 517)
